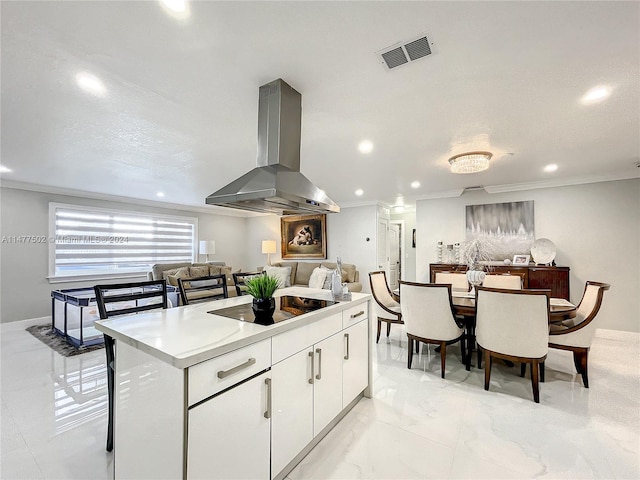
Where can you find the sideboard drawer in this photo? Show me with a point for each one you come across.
(212, 376)
(355, 314)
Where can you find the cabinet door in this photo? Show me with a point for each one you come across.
(292, 404)
(227, 428)
(554, 278)
(355, 372)
(327, 392)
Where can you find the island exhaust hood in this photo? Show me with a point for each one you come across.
(276, 184)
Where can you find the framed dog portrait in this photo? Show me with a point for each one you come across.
(303, 236)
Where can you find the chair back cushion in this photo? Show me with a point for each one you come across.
(513, 322)
(382, 297)
(458, 281)
(427, 312)
(510, 282)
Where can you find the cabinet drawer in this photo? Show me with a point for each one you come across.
(355, 314)
(288, 343)
(212, 376)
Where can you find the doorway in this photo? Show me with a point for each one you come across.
(395, 254)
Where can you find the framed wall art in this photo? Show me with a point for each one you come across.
(303, 236)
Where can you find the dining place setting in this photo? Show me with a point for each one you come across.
(493, 315)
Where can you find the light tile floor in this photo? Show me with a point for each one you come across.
(53, 417)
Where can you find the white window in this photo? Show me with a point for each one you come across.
(92, 242)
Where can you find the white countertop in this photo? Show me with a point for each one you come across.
(184, 336)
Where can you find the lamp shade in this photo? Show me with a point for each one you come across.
(207, 247)
(268, 246)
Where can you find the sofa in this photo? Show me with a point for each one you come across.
(172, 271)
(301, 273)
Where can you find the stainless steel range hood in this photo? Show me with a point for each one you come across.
(276, 184)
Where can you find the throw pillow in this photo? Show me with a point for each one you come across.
(317, 278)
(283, 274)
(167, 273)
(227, 272)
(332, 267)
(214, 269)
(171, 280)
(196, 272)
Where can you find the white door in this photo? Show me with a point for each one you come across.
(222, 430)
(292, 405)
(355, 371)
(383, 244)
(394, 255)
(327, 391)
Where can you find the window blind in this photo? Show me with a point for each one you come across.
(94, 241)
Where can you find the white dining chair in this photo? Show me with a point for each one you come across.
(427, 312)
(577, 333)
(386, 308)
(458, 281)
(511, 282)
(513, 325)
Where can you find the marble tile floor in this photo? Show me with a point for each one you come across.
(53, 417)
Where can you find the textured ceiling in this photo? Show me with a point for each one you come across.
(180, 110)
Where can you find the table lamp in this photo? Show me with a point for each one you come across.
(207, 247)
(268, 247)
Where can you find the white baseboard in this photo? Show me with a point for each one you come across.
(23, 324)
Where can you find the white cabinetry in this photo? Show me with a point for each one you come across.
(327, 391)
(225, 429)
(355, 366)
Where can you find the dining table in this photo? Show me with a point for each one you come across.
(464, 307)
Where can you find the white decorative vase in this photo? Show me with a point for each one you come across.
(475, 278)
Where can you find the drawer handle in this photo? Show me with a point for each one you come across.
(355, 315)
(231, 371)
(346, 357)
(319, 375)
(311, 378)
(267, 382)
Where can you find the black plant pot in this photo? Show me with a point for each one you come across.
(263, 309)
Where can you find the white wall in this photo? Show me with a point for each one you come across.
(409, 253)
(25, 291)
(595, 227)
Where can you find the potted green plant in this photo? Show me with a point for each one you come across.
(261, 288)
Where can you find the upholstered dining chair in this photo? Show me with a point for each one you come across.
(428, 315)
(124, 299)
(457, 280)
(386, 308)
(576, 334)
(510, 282)
(513, 325)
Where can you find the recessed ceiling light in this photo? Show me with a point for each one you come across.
(4, 169)
(596, 95)
(90, 83)
(160, 194)
(552, 167)
(177, 6)
(365, 146)
(359, 192)
(415, 184)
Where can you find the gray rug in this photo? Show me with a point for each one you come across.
(58, 343)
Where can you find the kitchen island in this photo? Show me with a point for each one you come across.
(201, 395)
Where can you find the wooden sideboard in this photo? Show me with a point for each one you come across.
(533, 276)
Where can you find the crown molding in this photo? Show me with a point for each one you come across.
(212, 210)
(564, 182)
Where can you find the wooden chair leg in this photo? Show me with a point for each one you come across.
(378, 335)
(542, 372)
(487, 368)
(534, 381)
(410, 352)
(583, 360)
(443, 357)
(479, 356)
(523, 369)
(418, 346)
(388, 328)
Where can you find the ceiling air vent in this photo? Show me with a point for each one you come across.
(405, 52)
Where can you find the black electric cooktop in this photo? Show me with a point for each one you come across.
(286, 307)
